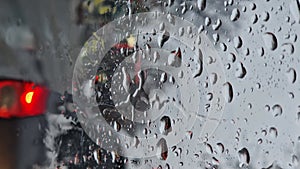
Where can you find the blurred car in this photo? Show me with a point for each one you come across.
(30, 105)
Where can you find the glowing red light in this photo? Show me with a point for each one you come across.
(24, 99)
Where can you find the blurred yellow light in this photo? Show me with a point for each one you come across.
(28, 97)
(131, 41)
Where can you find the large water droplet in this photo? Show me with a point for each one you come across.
(295, 161)
(207, 21)
(220, 148)
(244, 157)
(241, 71)
(181, 31)
(254, 19)
(162, 149)
(117, 126)
(287, 48)
(213, 77)
(165, 125)
(291, 75)
(208, 148)
(163, 77)
(97, 155)
(163, 38)
(237, 41)
(277, 110)
(252, 6)
(231, 57)
(270, 40)
(235, 14)
(217, 25)
(155, 56)
(136, 141)
(228, 92)
(273, 132)
(265, 16)
(171, 18)
(198, 57)
(201, 4)
(174, 59)
(190, 134)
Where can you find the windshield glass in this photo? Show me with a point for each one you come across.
(162, 84)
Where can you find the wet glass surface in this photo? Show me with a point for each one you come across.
(161, 84)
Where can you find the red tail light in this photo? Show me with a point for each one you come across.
(22, 99)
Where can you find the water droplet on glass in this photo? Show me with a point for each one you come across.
(208, 148)
(259, 141)
(217, 25)
(215, 162)
(190, 134)
(216, 37)
(291, 95)
(181, 31)
(155, 56)
(237, 41)
(291, 75)
(287, 48)
(270, 40)
(136, 141)
(231, 57)
(254, 19)
(273, 132)
(165, 125)
(241, 71)
(198, 57)
(220, 148)
(213, 78)
(265, 16)
(180, 74)
(223, 46)
(267, 108)
(252, 6)
(207, 21)
(189, 30)
(209, 96)
(264, 132)
(148, 49)
(201, 4)
(201, 29)
(228, 92)
(97, 155)
(117, 126)
(261, 51)
(163, 38)
(162, 149)
(174, 59)
(163, 77)
(244, 157)
(276, 110)
(171, 18)
(295, 161)
(235, 14)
